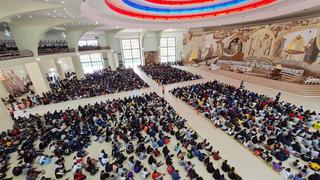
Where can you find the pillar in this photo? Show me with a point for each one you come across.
(111, 60)
(37, 77)
(78, 67)
(105, 59)
(116, 60)
(5, 120)
(141, 38)
(59, 69)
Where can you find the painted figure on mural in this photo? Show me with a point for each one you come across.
(199, 53)
(311, 51)
(219, 51)
(278, 47)
(210, 52)
(265, 44)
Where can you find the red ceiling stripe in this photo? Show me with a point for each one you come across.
(192, 16)
(184, 2)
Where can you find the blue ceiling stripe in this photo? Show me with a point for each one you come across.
(211, 7)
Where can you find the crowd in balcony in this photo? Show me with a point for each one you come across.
(53, 46)
(9, 49)
(273, 130)
(96, 84)
(166, 74)
(142, 134)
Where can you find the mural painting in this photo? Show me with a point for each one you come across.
(293, 42)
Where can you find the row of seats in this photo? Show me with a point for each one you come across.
(241, 68)
(7, 45)
(9, 50)
(89, 47)
(293, 71)
(53, 46)
(285, 70)
(267, 67)
(312, 80)
(238, 63)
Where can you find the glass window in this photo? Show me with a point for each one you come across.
(168, 49)
(88, 42)
(91, 62)
(131, 52)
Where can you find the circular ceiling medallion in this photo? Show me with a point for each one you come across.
(192, 9)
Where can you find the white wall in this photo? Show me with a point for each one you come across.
(66, 64)
(151, 41)
(99, 36)
(48, 66)
(54, 35)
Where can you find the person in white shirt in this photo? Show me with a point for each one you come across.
(75, 167)
(144, 173)
(286, 174)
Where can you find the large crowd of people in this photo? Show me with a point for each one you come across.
(96, 84)
(272, 129)
(143, 133)
(166, 74)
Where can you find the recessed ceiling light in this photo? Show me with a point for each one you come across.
(30, 16)
(55, 11)
(18, 16)
(64, 8)
(62, 2)
(48, 14)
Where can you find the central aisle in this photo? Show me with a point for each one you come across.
(246, 164)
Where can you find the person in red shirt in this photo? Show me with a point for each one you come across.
(156, 153)
(170, 169)
(216, 155)
(157, 176)
(79, 175)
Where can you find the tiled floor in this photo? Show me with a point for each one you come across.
(246, 164)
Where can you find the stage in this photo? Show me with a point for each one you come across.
(285, 84)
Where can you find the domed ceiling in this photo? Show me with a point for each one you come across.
(187, 13)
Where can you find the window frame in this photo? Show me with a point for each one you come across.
(131, 56)
(165, 56)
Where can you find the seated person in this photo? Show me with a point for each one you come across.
(225, 166)
(79, 175)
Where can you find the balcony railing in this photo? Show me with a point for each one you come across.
(5, 55)
(92, 48)
(55, 51)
